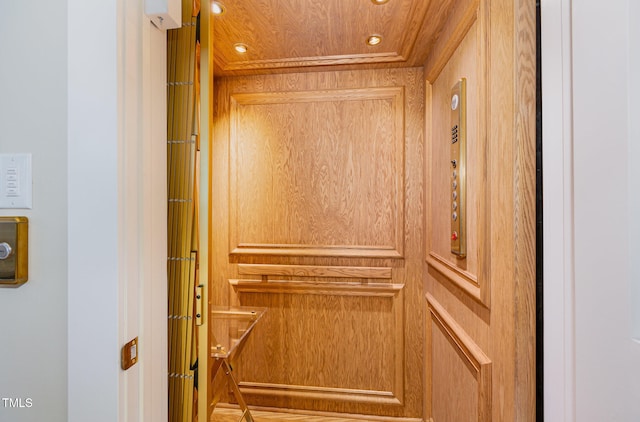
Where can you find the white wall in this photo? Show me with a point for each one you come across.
(117, 212)
(93, 211)
(33, 119)
(590, 139)
(634, 159)
(82, 88)
(607, 359)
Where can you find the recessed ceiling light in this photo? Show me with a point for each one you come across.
(217, 8)
(374, 40)
(379, 1)
(240, 48)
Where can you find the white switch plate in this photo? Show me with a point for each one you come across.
(15, 181)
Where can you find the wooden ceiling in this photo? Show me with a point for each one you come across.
(299, 35)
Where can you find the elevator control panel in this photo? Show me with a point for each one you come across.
(14, 251)
(458, 167)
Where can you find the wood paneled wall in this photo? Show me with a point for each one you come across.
(480, 328)
(317, 214)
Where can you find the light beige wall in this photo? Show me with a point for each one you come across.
(117, 222)
(590, 156)
(607, 374)
(79, 102)
(33, 119)
(142, 218)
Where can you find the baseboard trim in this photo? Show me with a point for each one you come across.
(369, 418)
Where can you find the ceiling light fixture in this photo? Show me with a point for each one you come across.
(374, 40)
(240, 48)
(217, 8)
(379, 1)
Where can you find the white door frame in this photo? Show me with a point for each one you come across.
(557, 147)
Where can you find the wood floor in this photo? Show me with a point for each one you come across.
(232, 415)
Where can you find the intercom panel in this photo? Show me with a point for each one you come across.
(458, 167)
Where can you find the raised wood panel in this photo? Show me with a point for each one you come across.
(461, 371)
(468, 274)
(318, 173)
(355, 352)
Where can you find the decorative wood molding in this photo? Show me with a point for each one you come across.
(316, 288)
(470, 353)
(314, 271)
(463, 279)
(395, 93)
(310, 251)
(305, 208)
(333, 288)
(297, 62)
(320, 393)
